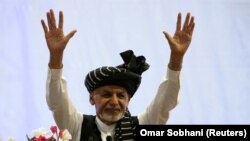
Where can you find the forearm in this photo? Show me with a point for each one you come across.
(64, 112)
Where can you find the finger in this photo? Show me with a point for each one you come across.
(178, 24)
(60, 20)
(53, 19)
(168, 37)
(70, 35)
(45, 29)
(185, 26)
(49, 21)
(192, 29)
(191, 21)
(189, 27)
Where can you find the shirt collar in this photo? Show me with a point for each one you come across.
(107, 129)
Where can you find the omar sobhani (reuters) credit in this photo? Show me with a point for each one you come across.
(207, 132)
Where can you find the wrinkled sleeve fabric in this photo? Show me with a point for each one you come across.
(165, 100)
(64, 112)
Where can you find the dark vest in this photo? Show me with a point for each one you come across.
(90, 131)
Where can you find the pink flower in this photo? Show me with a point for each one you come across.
(53, 135)
(53, 129)
(40, 138)
(61, 133)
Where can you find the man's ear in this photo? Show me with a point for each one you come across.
(91, 99)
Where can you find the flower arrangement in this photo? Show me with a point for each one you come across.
(52, 135)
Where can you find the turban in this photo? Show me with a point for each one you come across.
(127, 75)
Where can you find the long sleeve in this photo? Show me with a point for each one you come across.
(165, 100)
(64, 112)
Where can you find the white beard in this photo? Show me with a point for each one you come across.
(110, 118)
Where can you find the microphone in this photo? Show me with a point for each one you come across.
(108, 138)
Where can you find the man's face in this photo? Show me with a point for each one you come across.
(110, 102)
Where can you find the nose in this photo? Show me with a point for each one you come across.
(114, 100)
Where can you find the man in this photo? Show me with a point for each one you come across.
(111, 88)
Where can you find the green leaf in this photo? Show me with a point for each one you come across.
(29, 138)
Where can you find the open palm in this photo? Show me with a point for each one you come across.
(54, 35)
(181, 40)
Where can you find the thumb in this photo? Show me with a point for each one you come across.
(71, 34)
(168, 37)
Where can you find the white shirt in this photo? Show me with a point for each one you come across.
(67, 117)
(105, 130)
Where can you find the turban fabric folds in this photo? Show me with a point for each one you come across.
(127, 75)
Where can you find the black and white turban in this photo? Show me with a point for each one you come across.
(127, 75)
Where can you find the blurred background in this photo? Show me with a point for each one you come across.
(216, 69)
